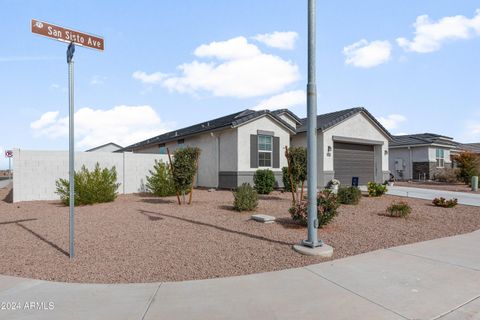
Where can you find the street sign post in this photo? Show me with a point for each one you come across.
(72, 37)
(9, 155)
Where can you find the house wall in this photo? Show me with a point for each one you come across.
(300, 140)
(245, 172)
(37, 171)
(285, 117)
(358, 127)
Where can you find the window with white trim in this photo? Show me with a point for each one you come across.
(440, 157)
(265, 151)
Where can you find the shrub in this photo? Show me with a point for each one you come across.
(444, 203)
(448, 175)
(349, 195)
(286, 180)
(399, 209)
(468, 164)
(160, 181)
(264, 181)
(185, 168)
(97, 186)
(327, 205)
(297, 163)
(245, 198)
(376, 189)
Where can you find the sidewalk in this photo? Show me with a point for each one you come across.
(438, 279)
(470, 199)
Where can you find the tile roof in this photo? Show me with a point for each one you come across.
(472, 147)
(327, 120)
(231, 120)
(422, 139)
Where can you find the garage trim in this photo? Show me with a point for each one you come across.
(357, 140)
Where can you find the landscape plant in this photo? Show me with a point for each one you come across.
(468, 164)
(184, 168)
(264, 181)
(327, 205)
(160, 182)
(376, 189)
(97, 186)
(286, 181)
(444, 203)
(400, 209)
(297, 170)
(245, 198)
(448, 175)
(349, 195)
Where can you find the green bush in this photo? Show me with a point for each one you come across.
(160, 181)
(399, 209)
(327, 205)
(245, 198)
(286, 180)
(264, 181)
(97, 186)
(349, 195)
(444, 203)
(376, 189)
(185, 168)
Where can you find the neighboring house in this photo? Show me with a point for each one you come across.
(419, 156)
(108, 147)
(351, 143)
(470, 147)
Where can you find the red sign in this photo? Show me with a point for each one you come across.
(8, 153)
(67, 35)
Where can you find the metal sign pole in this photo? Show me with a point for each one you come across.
(71, 147)
(9, 169)
(312, 131)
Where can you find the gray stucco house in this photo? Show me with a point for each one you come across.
(351, 143)
(419, 156)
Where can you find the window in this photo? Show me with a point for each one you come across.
(264, 151)
(440, 156)
(163, 149)
(181, 143)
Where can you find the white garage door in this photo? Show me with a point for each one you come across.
(353, 160)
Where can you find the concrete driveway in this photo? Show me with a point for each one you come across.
(470, 199)
(4, 183)
(438, 279)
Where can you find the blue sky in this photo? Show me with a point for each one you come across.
(169, 64)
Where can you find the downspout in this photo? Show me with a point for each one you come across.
(410, 162)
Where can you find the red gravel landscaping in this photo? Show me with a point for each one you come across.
(144, 239)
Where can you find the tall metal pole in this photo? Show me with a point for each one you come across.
(9, 169)
(71, 148)
(312, 240)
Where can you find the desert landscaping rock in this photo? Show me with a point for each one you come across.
(140, 238)
(263, 218)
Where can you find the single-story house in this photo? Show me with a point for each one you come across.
(419, 156)
(108, 147)
(351, 143)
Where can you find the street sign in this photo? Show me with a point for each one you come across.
(67, 35)
(8, 154)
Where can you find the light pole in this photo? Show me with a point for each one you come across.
(312, 246)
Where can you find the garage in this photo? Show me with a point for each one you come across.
(353, 160)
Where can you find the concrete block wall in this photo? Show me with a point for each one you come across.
(37, 171)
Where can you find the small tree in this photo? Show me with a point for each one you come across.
(160, 181)
(297, 167)
(468, 164)
(184, 169)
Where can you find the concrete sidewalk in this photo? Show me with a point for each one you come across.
(438, 279)
(470, 199)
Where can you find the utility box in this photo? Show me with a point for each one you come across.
(474, 183)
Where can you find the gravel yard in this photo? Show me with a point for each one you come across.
(144, 239)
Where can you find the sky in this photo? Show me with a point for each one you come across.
(169, 64)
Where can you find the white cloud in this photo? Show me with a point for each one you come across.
(471, 132)
(366, 54)
(236, 68)
(121, 124)
(46, 119)
(284, 100)
(146, 78)
(392, 121)
(430, 35)
(280, 40)
(97, 80)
